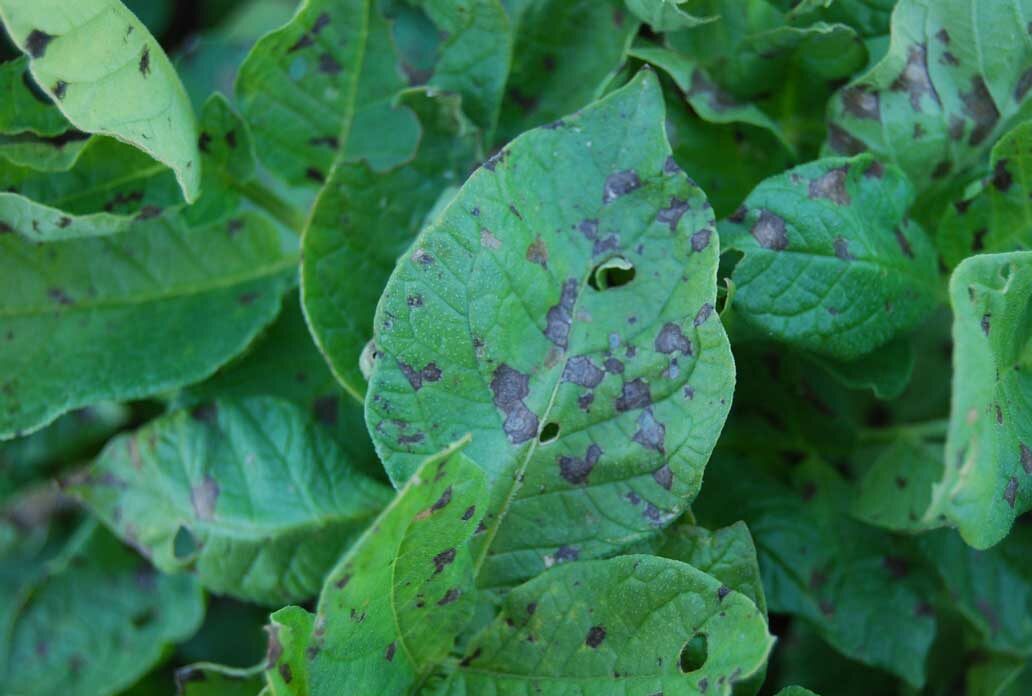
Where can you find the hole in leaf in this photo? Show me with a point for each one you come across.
(184, 545)
(694, 653)
(549, 433)
(612, 273)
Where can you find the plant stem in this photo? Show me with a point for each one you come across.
(935, 429)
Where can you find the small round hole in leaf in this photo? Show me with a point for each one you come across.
(184, 546)
(694, 653)
(612, 273)
(549, 433)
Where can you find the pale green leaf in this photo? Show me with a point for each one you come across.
(957, 74)
(896, 490)
(92, 620)
(363, 221)
(999, 217)
(630, 625)
(109, 76)
(987, 479)
(392, 607)
(593, 407)
(831, 262)
(80, 320)
(250, 493)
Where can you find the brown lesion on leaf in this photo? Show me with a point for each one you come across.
(560, 317)
(831, 186)
(36, 43)
(620, 184)
(580, 370)
(981, 108)
(672, 214)
(576, 470)
(509, 388)
(1010, 492)
(635, 394)
(537, 252)
(671, 339)
(651, 434)
(596, 634)
(842, 249)
(145, 62)
(204, 497)
(769, 231)
(861, 102)
(915, 79)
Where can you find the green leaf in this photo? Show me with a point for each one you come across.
(938, 100)
(323, 88)
(727, 554)
(867, 17)
(666, 15)
(987, 479)
(860, 587)
(634, 624)
(885, 371)
(71, 336)
(999, 217)
(24, 108)
(285, 363)
(27, 151)
(593, 407)
(831, 263)
(109, 76)
(795, 691)
(392, 607)
(93, 621)
(991, 589)
(363, 221)
(251, 493)
(72, 437)
(207, 679)
(896, 490)
(564, 53)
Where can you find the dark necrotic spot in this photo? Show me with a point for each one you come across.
(704, 313)
(635, 394)
(576, 470)
(986, 323)
(915, 80)
(313, 174)
(450, 596)
(60, 296)
(560, 317)
(956, 128)
(739, 215)
(723, 591)
(36, 43)
(1002, 179)
(247, 298)
(566, 554)
(701, 239)
(388, 654)
(862, 103)
(672, 214)
(286, 673)
(769, 231)
(329, 141)
(443, 501)
(581, 371)
(584, 401)
(651, 433)
(896, 566)
(328, 64)
(832, 186)
(468, 514)
(509, 388)
(60, 89)
(204, 142)
(841, 142)
(980, 107)
(596, 634)
(231, 139)
(614, 366)
(495, 159)
(1010, 493)
(537, 252)
(842, 249)
(443, 559)
(304, 41)
(671, 339)
(664, 476)
(274, 650)
(145, 66)
(670, 166)
(619, 184)
(325, 410)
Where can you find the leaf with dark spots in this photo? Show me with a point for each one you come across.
(537, 253)
(576, 470)
(651, 433)
(839, 311)
(443, 559)
(1002, 178)
(329, 65)
(620, 184)
(524, 349)
(581, 612)
(305, 514)
(451, 596)
(36, 43)
(664, 476)
(704, 313)
(145, 62)
(980, 107)
(671, 340)
(861, 102)
(915, 80)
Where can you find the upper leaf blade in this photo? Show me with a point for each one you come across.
(509, 315)
(109, 76)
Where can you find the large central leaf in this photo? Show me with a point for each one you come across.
(593, 402)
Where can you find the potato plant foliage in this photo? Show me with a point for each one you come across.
(515, 347)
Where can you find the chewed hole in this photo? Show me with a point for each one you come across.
(612, 273)
(184, 545)
(549, 433)
(694, 653)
